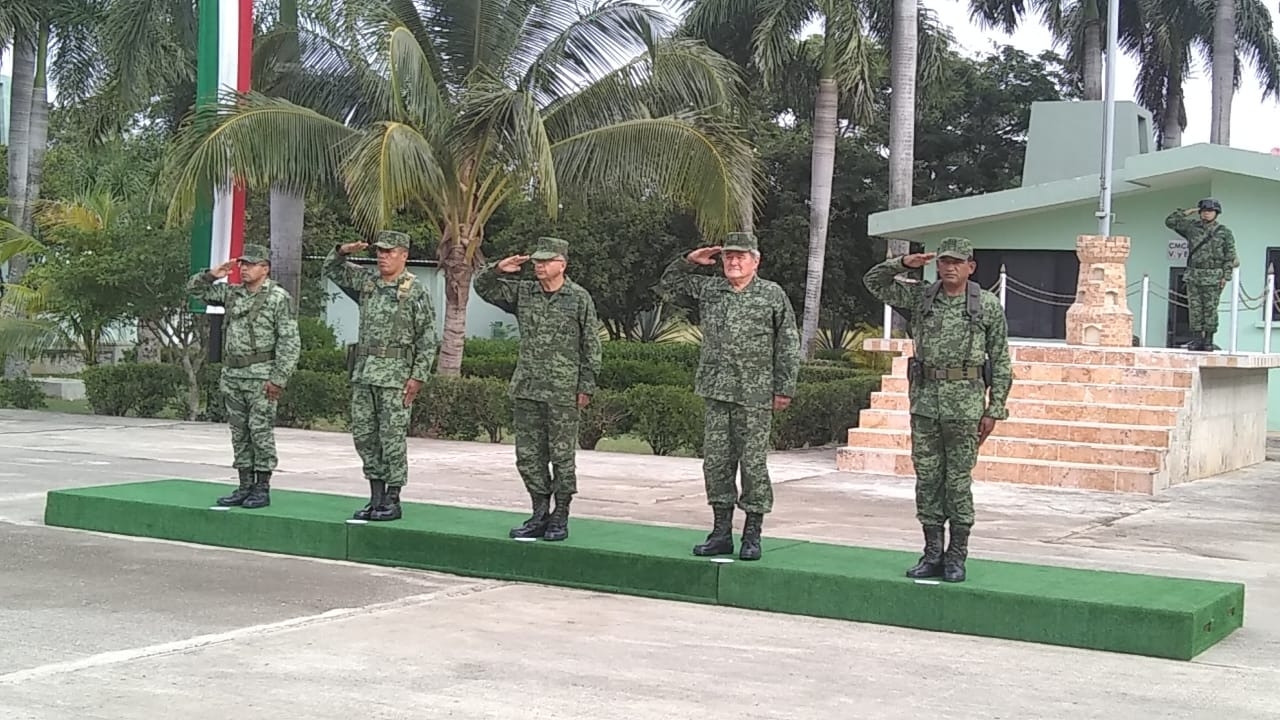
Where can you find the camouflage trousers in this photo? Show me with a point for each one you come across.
(944, 453)
(546, 446)
(379, 428)
(252, 417)
(737, 437)
(1202, 307)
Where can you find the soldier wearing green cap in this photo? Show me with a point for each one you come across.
(554, 379)
(260, 349)
(961, 353)
(747, 370)
(390, 361)
(1211, 259)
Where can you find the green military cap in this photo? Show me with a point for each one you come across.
(254, 254)
(956, 247)
(550, 248)
(740, 241)
(388, 239)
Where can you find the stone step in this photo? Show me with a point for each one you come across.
(1121, 456)
(1070, 355)
(1083, 476)
(1077, 432)
(1101, 413)
(1136, 395)
(1089, 374)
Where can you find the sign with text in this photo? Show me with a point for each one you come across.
(1178, 251)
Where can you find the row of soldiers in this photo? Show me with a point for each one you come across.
(748, 368)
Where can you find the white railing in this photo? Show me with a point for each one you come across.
(1238, 300)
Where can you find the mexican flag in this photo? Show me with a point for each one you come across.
(225, 51)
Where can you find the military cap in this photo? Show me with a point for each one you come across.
(1210, 204)
(254, 254)
(955, 247)
(550, 248)
(740, 241)
(388, 239)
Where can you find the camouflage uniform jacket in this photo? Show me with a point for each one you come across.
(559, 340)
(946, 339)
(260, 333)
(1215, 257)
(397, 336)
(750, 343)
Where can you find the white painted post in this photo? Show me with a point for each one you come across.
(1235, 306)
(1269, 309)
(1004, 285)
(1146, 291)
(888, 320)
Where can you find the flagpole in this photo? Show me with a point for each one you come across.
(1109, 118)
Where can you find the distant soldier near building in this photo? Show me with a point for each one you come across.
(748, 369)
(1211, 258)
(554, 379)
(961, 351)
(388, 364)
(260, 349)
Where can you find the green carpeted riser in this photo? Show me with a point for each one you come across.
(1119, 612)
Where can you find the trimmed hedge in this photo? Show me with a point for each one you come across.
(21, 393)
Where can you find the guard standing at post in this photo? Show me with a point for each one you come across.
(554, 379)
(961, 351)
(388, 364)
(260, 349)
(1211, 258)
(748, 369)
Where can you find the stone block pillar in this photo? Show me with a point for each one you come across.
(1100, 315)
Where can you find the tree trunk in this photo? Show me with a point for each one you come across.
(1224, 71)
(903, 48)
(1092, 71)
(38, 130)
(287, 208)
(24, 68)
(1171, 125)
(821, 170)
(458, 271)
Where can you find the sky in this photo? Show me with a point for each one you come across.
(1254, 122)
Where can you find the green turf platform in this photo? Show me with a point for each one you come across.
(1120, 612)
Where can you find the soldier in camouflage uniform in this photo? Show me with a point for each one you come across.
(260, 349)
(389, 363)
(961, 349)
(748, 367)
(1211, 258)
(554, 379)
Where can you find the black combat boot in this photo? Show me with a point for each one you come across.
(260, 497)
(720, 541)
(930, 564)
(558, 525)
(751, 537)
(390, 507)
(240, 493)
(536, 525)
(957, 551)
(376, 489)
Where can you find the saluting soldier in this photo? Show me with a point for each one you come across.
(260, 349)
(1211, 258)
(554, 379)
(748, 367)
(389, 363)
(961, 351)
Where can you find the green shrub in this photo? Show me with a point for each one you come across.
(669, 418)
(606, 416)
(21, 393)
(313, 396)
(822, 413)
(141, 388)
(489, 366)
(624, 374)
(211, 394)
(486, 347)
(820, 373)
(461, 408)
(682, 354)
(315, 334)
(324, 360)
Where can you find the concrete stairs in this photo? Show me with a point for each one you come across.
(1079, 417)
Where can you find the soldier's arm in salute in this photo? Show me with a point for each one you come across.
(503, 293)
(589, 352)
(346, 275)
(679, 282)
(425, 340)
(881, 281)
(998, 351)
(204, 286)
(1181, 222)
(786, 351)
(288, 342)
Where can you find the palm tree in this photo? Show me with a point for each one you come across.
(469, 103)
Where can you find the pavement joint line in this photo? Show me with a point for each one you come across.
(199, 642)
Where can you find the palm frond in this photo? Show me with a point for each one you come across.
(31, 337)
(414, 87)
(774, 37)
(390, 166)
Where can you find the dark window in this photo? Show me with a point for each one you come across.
(1178, 330)
(1273, 262)
(1042, 285)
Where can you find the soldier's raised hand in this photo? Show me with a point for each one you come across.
(704, 256)
(354, 247)
(918, 260)
(512, 263)
(222, 270)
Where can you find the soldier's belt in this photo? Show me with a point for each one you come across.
(969, 373)
(383, 351)
(243, 361)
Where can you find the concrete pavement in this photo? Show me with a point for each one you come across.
(97, 626)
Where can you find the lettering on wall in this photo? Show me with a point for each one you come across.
(1178, 250)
